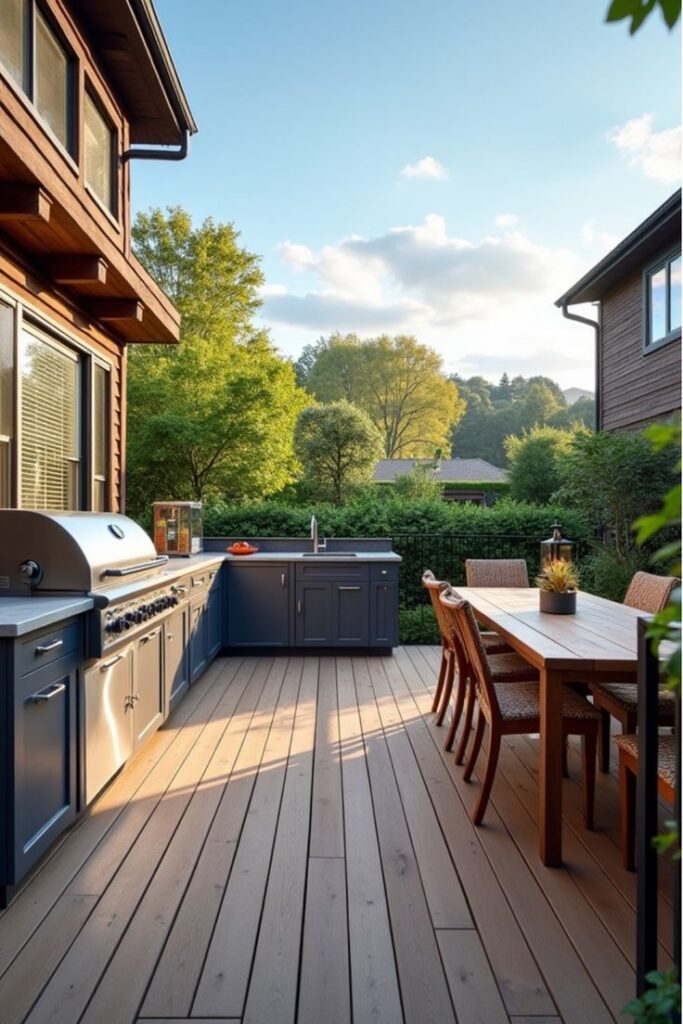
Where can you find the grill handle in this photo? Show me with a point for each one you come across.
(140, 567)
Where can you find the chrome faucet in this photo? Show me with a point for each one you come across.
(317, 546)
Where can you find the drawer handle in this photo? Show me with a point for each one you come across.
(298, 607)
(212, 575)
(283, 579)
(349, 588)
(384, 572)
(179, 590)
(52, 646)
(198, 583)
(53, 690)
(108, 664)
(148, 636)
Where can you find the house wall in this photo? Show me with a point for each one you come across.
(636, 388)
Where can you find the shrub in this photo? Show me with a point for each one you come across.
(418, 626)
(418, 485)
(535, 458)
(608, 572)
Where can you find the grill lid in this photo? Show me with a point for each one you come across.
(71, 551)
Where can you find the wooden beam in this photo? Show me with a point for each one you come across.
(23, 201)
(117, 310)
(71, 268)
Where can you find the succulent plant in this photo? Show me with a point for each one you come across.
(559, 576)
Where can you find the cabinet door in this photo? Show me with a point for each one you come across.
(107, 719)
(176, 656)
(148, 690)
(350, 613)
(197, 639)
(314, 613)
(45, 744)
(214, 622)
(258, 601)
(383, 614)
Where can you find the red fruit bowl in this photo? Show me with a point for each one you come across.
(242, 548)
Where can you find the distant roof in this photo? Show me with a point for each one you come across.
(660, 229)
(450, 470)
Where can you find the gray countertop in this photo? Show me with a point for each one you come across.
(333, 557)
(19, 615)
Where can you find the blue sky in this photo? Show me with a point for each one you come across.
(550, 135)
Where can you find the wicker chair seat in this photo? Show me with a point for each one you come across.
(666, 755)
(625, 695)
(493, 643)
(511, 668)
(522, 700)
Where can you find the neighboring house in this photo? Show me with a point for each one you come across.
(80, 83)
(459, 477)
(638, 332)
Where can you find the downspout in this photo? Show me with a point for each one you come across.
(595, 324)
(160, 153)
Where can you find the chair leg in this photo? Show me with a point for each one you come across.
(467, 724)
(565, 758)
(589, 749)
(457, 712)
(627, 794)
(476, 747)
(447, 690)
(491, 764)
(439, 685)
(605, 739)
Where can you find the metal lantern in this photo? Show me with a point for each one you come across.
(556, 547)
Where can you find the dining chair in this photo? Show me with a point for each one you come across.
(650, 594)
(452, 661)
(496, 572)
(514, 708)
(628, 770)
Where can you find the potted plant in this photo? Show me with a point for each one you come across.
(558, 584)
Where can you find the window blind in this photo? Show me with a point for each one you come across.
(50, 447)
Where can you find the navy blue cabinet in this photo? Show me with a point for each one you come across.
(313, 613)
(383, 614)
(350, 614)
(176, 656)
(258, 600)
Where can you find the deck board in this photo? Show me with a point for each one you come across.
(295, 846)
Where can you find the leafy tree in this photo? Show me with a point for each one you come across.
(306, 361)
(398, 382)
(214, 415)
(418, 485)
(539, 404)
(338, 445)
(535, 462)
(582, 412)
(639, 10)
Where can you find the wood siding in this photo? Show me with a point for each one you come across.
(636, 388)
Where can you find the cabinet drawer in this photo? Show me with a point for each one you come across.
(332, 571)
(41, 649)
(384, 572)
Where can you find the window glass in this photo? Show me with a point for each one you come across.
(6, 399)
(675, 295)
(100, 438)
(50, 413)
(658, 305)
(51, 80)
(12, 37)
(98, 151)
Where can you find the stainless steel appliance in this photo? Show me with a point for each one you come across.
(111, 559)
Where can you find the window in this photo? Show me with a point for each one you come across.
(52, 81)
(50, 424)
(100, 438)
(13, 38)
(663, 301)
(98, 139)
(6, 401)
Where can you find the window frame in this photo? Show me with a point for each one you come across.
(661, 263)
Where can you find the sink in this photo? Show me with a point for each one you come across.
(327, 554)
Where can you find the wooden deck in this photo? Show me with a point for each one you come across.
(294, 845)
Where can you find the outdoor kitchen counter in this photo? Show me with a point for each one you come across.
(331, 556)
(20, 615)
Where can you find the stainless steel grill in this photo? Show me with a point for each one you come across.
(103, 555)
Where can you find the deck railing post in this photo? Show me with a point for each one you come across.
(646, 809)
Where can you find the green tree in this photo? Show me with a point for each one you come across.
(214, 415)
(338, 446)
(639, 10)
(581, 412)
(398, 382)
(535, 462)
(538, 404)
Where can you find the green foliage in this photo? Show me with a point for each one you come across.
(418, 485)
(535, 459)
(215, 414)
(660, 1003)
(398, 382)
(581, 413)
(639, 10)
(608, 572)
(418, 625)
(338, 446)
(615, 478)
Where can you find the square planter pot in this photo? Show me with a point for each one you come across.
(557, 604)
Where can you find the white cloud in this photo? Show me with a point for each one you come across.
(482, 303)
(266, 291)
(506, 220)
(427, 167)
(656, 154)
(595, 238)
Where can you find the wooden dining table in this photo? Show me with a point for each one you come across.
(597, 644)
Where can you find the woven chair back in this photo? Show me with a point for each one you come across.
(496, 572)
(464, 625)
(650, 593)
(433, 588)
